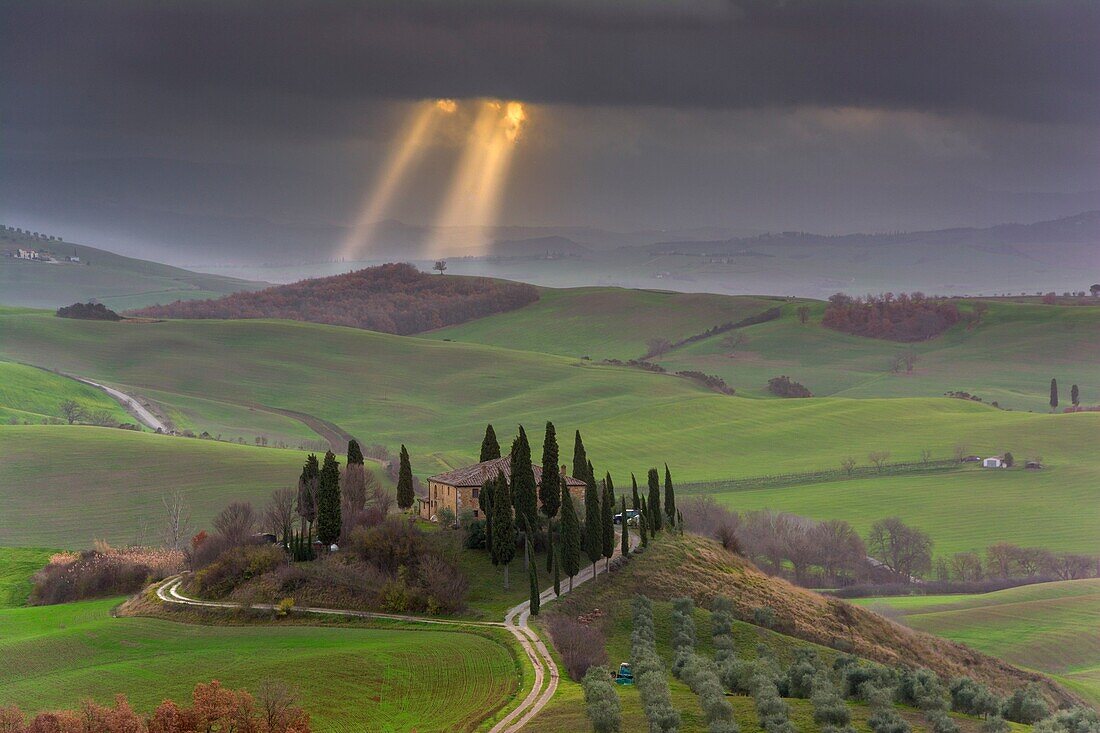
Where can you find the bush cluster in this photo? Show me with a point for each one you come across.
(104, 571)
(772, 712)
(581, 645)
(649, 673)
(884, 717)
(698, 673)
(601, 702)
(830, 710)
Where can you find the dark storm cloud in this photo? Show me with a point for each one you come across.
(1032, 61)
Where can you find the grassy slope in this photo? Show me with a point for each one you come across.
(1053, 627)
(604, 323)
(436, 397)
(28, 395)
(350, 679)
(703, 572)
(17, 565)
(119, 282)
(1009, 358)
(78, 483)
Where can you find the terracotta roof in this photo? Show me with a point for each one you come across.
(479, 473)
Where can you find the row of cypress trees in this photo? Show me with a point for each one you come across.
(320, 499)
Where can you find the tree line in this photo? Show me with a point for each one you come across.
(393, 298)
(903, 317)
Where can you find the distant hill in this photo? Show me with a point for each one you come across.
(547, 247)
(78, 273)
(392, 298)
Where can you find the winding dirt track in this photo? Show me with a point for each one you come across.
(515, 620)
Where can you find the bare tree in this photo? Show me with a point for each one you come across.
(879, 458)
(841, 548)
(848, 465)
(72, 410)
(440, 265)
(925, 455)
(1000, 559)
(353, 489)
(279, 704)
(177, 520)
(904, 550)
(279, 513)
(960, 453)
(657, 346)
(236, 522)
(966, 566)
(803, 312)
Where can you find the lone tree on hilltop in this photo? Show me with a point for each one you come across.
(490, 448)
(670, 498)
(504, 526)
(593, 530)
(440, 265)
(570, 550)
(1075, 395)
(550, 489)
(1053, 395)
(654, 502)
(405, 493)
(307, 491)
(328, 500)
(580, 458)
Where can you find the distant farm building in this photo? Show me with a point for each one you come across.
(27, 254)
(993, 462)
(458, 490)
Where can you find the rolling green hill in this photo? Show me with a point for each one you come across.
(31, 395)
(17, 565)
(436, 397)
(355, 678)
(1051, 627)
(605, 323)
(65, 486)
(119, 282)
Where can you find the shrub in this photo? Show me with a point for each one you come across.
(394, 543)
(994, 724)
(885, 718)
(475, 535)
(973, 698)
(683, 633)
(649, 673)
(721, 623)
(601, 702)
(763, 616)
(444, 584)
(284, 607)
(1025, 705)
(860, 677)
(581, 646)
(104, 571)
(829, 708)
(772, 711)
(784, 386)
(800, 675)
(236, 566)
(1074, 720)
(941, 722)
(88, 312)
(701, 675)
(921, 688)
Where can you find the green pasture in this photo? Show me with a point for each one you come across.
(17, 565)
(605, 323)
(349, 679)
(28, 394)
(1049, 627)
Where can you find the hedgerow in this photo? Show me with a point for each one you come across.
(601, 702)
(649, 672)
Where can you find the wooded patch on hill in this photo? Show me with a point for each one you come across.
(903, 317)
(393, 298)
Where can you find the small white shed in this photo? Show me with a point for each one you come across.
(992, 463)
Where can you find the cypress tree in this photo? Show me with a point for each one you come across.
(1053, 394)
(643, 524)
(490, 448)
(624, 548)
(524, 497)
(405, 494)
(636, 504)
(654, 502)
(610, 488)
(580, 458)
(533, 577)
(593, 530)
(570, 546)
(307, 491)
(550, 488)
(607, 523)
(354, 490)
(1075, 395)
(557, 573)
(328, 500)
(504, 527)
(485, 501)
(670, 499)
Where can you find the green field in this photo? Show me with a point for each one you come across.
(77, 483)
(349, 679)
(119, 282)
(31, 395)
(17, 565)
(605, 323)
(1050, 627)
(436, 396)
(1010, 357)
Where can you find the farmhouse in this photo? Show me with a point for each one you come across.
(458, 490)
(994, 462)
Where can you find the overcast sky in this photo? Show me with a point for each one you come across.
(187, 127)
